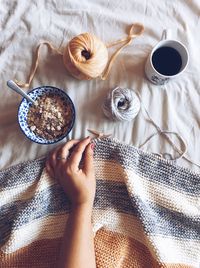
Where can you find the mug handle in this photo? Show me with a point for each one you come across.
(166, 34)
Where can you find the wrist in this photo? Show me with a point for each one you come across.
(85, 207)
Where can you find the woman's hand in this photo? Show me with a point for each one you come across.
(78, 183)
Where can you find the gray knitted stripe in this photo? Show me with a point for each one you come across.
(26, 172)
(16, 214)
(149, 166)
(53, 201)
(160, 220)
(109, 195)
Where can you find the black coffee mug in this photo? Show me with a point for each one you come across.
(167, 60)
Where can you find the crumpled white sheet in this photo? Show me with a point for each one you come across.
(175, 106)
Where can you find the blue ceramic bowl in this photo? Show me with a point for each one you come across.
(24, 108)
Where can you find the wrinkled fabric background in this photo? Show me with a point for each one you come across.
(175, 106)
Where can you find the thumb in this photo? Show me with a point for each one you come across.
(89, 159)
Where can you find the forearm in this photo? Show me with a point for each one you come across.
(78, 245)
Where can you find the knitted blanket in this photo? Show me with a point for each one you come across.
(146, 212)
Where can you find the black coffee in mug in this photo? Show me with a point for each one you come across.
(167, 60)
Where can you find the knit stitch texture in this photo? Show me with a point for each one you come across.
(146, 212)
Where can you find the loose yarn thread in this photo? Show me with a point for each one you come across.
(164, 133)
(86, 56)
(121, 104)
(131, 108)
(36, 63)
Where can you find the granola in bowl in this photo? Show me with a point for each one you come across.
(50, 118)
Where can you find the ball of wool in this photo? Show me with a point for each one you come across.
(85, 56)
(121, 104)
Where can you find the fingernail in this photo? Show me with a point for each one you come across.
(92, 146)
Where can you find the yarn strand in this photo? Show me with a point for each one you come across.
(123, 104)
(90, 57)
(136, 30)
(36, 63)
(182, 153)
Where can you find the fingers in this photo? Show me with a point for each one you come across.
(77, 153)
(51, 162)
(89, 159)
(52, 157)
(49, 170)
(63, 151)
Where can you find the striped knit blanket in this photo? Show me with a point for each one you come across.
(146, 212)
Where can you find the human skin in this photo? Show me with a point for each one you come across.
(77, 250)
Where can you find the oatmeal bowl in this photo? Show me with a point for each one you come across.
(50, 118)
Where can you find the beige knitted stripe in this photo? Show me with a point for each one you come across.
(113, 250)
(177, 250)
(163, 196)
(40, 229)
(44, 228)
(110, 220)
(148, 190)
(104, 170)
(43, 253)
(122, 223)
(27, 190)
(117, 250)
(109, 170)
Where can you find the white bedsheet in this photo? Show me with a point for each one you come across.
(175, 106)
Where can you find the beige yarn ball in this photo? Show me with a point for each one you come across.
(85, 56)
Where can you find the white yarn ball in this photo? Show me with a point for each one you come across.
(121, 104)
